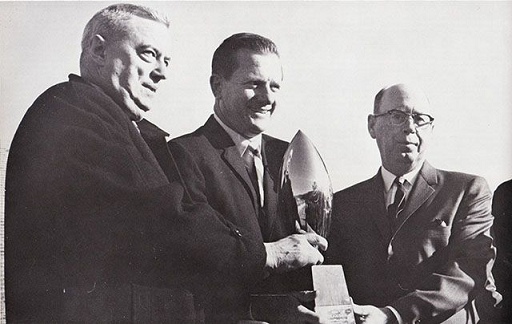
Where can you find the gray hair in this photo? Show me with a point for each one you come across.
(110, 22)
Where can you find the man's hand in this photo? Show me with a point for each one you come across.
(368, 314)
(294, 252)
(285, 309)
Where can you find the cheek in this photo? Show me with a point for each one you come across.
(247, 94)
(424, 140)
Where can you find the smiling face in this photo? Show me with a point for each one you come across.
(135, 63)
(402, 148)
(246, 101)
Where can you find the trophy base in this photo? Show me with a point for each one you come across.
(332, 300)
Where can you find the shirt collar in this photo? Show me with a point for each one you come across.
(389, 177)
(240, 141)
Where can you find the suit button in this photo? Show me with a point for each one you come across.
(237, 232)
(390, 251)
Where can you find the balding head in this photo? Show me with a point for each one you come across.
(401, 95)
(402, 140)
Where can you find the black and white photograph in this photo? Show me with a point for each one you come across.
(256, 162)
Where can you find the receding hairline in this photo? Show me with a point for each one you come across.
(403, 88)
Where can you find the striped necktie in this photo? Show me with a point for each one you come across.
(398, 203)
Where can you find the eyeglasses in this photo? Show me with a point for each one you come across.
(399, 117)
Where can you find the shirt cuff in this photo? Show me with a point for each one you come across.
(399, 319)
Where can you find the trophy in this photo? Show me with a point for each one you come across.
(305, 195)
(305, 192)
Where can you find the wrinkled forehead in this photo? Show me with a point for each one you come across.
(142, 31)
(405, 98)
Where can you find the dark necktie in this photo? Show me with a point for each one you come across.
(254, 166)
(398, 203)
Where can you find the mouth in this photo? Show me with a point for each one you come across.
(408, 146)
(150, 87)
(267, 110)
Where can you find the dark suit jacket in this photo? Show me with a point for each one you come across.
(432, 262)
(214, 172)
(502, 211)
(96, 232)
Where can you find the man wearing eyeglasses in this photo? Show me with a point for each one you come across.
(413, 240)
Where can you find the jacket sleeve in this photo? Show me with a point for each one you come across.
(79, 189)
(451, 278)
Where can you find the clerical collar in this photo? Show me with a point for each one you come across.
(240, 141)
(389, 177)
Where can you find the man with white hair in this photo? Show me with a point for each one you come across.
(95, 231)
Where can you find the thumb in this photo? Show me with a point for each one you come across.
(298, 229)
(317, 241)
(360, 309)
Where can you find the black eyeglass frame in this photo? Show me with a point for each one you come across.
(393, 111)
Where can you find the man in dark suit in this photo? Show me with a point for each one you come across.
(229, 164)
(502, 211)
(94, 230)
(413, 240)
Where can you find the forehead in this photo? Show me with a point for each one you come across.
(267, 65)
(141, 31)
(406, 99)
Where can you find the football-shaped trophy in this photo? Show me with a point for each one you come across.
(305, 192)
(305, 195)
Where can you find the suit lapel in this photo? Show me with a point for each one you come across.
(230, 155)
(420, 192)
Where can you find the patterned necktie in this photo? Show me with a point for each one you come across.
(254, 166)
(398, 204)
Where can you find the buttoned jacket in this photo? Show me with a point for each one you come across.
(429, 263)
(214, 173)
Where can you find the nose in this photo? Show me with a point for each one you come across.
(409, 126)
(265, 95)
(160, 71)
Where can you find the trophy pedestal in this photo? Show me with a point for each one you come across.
(332, 300)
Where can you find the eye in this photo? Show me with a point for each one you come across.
(421, 119)
(148, 54)
(252, 84)
(275, 87)
(398, 117)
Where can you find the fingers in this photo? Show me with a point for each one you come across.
(317, 241)
(307, 315)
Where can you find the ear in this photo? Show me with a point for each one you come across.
(216, 82)
(98, 49)
(371, 126)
